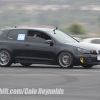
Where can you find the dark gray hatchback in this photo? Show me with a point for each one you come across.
(45, 46)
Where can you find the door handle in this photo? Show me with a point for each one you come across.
(27, 45)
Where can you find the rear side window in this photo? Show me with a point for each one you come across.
(96, 41)
(17, 34)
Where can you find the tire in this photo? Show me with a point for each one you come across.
(5, 58)
(87, 66)
(65, 60)
(25, 64)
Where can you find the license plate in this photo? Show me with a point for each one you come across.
(98, 57)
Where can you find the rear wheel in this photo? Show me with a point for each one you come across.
(65, 60)
(5, 58)
(87, 66)
(25, 64)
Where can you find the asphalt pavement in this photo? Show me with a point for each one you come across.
(77, 83)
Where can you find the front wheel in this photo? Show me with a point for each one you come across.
(25, 64)
(5, 58)
(65, 60)
(87, 66)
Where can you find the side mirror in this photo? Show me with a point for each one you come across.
(49, 42)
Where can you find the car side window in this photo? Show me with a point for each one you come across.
(96, 41)
(93, 41)
(17, 34)
(38, 37)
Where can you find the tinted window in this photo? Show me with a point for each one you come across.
(36, 36)
(96, 41)
(14, 34)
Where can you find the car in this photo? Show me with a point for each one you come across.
(78, 39)
(92, 40)
(45, 46)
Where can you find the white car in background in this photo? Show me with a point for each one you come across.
(92, 40)
(77, 38)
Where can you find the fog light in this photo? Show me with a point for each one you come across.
(82, 60)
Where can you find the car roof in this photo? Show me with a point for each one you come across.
(30, 28)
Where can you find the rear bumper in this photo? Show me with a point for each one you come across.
(87, 59)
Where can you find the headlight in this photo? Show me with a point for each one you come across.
(83, 50)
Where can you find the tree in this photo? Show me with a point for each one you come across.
(76, 28)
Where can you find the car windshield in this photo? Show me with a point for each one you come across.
(62, 37)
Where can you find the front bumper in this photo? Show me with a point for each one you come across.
(86, 59)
